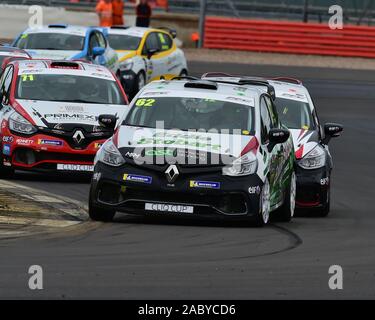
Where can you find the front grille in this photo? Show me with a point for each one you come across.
(310, 195)
(227, 203)
(28, 156)
(67, 136)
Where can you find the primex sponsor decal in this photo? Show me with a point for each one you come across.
(74, 117)
(75, 167)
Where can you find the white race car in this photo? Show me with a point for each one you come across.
(146, 54)
(197, 148)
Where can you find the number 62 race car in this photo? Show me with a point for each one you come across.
(49, 114)
(190, 147)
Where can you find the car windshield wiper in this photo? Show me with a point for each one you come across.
(77, 101)
(45, 49)
(136, 125)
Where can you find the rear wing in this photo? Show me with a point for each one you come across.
(220, 77)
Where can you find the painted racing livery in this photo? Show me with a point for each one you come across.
(314, 161)
(146, 54)
(296, 111)
(49, 114)
(8, 54)
(66, 42)
(193, 147)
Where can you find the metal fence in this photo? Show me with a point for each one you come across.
(355, 11)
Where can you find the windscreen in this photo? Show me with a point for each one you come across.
(51, 41)
(191, 113)
(123, 42)
(294, 114)
(68, 88)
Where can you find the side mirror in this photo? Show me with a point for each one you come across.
(173, 33)
(108, 121)
(272, 93)
(97, 51)
(332, 130)
(151, 52)
(277, 136)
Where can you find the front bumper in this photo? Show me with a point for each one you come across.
(230, 197)
(312, 187)
(46, 153)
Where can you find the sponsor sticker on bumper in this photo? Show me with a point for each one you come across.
(164, 207)
(47, 142)
(204, 184)
(75, 167)
(137, 178)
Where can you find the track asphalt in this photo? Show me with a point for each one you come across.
(136, 258)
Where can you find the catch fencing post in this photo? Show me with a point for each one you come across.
(202, 19)
(306, 11)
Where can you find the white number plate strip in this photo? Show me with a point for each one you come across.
(163, 207)
(75, 167)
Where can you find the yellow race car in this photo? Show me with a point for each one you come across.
(145, 54)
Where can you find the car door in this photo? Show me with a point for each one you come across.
(98, 40)
(110, 55)
(275, 153)
(5, 87)
(154, 64)
(94, 42)
(171, 66)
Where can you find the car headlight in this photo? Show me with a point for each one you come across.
(243, 166)
(315, 159)
(19, 124)
(126, 65)
(109, 154)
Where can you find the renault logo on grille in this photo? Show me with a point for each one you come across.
(172, 173)
(78, 136)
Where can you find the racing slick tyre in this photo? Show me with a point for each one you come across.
(140, 82)
(263, 216)
(286, 212)
(99, 214)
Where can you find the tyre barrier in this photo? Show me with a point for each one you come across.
(289, 37)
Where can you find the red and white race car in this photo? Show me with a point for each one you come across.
(8, 54)
(50, 114)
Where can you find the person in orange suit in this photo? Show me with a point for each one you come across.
(118, 12)
(105, 11)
